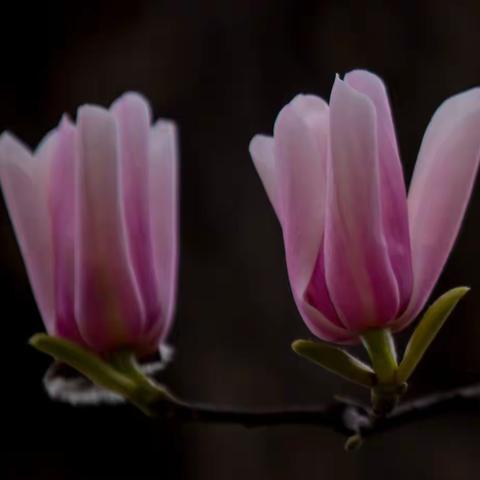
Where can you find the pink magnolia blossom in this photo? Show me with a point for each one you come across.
(95, 213)
(360, 253)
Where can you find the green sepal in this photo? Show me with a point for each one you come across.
(120, 373)
(336, 361)
(87, 363)
(427, 329)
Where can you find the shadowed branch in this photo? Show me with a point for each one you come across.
(342, 415)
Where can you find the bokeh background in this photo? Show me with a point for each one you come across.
(223, 69)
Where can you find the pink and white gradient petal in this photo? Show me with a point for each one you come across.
(133, 116)
(392, 184)
(163, 199)
(301, 146)
(441, 186)
(26, 200)
(262, 152)
(107, 302)
(61, 201)
(359, 273)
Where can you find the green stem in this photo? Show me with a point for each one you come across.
(147, 392)
(381, 350)
(124, 361)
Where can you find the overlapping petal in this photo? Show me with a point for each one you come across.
(62, 189)
(391, 182)
(133, 117)
(359, 273)
(301, 149)
(108, 307)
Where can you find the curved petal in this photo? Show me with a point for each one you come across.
(132, 113)
(359, 274)
(441, 187)
(163, 193)
(315, 321)
(301, 144)
(62, 208)
(108, 308)
(316, 305)
(262, 152)
(25, 196)
(392, 183)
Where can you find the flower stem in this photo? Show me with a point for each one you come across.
(381, 350)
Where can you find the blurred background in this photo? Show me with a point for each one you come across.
(223, 69)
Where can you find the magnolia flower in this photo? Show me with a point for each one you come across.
(360, 253)
(95, 213)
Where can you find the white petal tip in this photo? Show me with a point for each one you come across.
(164, 126)
(93, 117)
(12, 150)
(90, 109)
(65, 120)
(132, 96)
(133, 100)
(257, 143)
(7, 137)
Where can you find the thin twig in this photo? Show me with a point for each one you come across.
(342, 415)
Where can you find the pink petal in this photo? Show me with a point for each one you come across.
(301, 143)
(262, 152)
(316, 304)
(359, 274)
(441, 186)
(108, 307)
(26, 200)
(62, 208)
(133, 116)
(163, 192)
(392, 183)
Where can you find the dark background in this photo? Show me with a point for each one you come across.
(223, 70)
